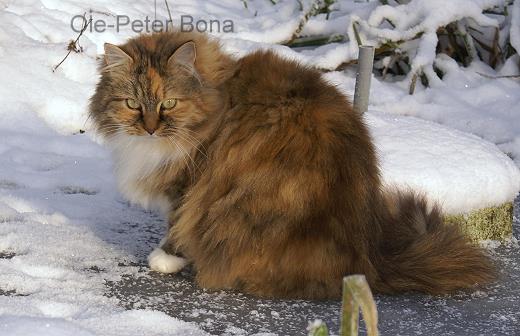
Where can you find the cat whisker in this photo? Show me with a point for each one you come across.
(194, 136)
(115, 134)
(186, 137)
(186, 153)
(172, 142)
(110, 127)
(181, 131)
(109, 132)
(186, 162)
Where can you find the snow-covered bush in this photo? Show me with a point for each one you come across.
(408, 35)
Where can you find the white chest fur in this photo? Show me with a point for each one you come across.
(136, 159)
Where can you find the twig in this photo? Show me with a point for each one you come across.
(390, 64)
(342, 66)
(452, 38)
(498, 77)
(303, 20)
(476, 30)
(468, 41)
(412, 84)
(483, 45)
(356, 34)
(72, 45)
(493, 57)
(315, 41)
(390, 22)
(102, 13)
(170, 13)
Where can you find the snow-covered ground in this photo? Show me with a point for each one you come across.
(64, 229)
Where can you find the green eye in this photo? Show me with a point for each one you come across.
(133, 104)
(169, 103)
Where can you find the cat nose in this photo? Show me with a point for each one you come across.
(151, 123)
(150, 130)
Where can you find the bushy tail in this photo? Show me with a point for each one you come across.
(420, 253)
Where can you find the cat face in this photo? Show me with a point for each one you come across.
(148, 91)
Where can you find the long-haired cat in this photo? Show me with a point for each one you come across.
(269, 179)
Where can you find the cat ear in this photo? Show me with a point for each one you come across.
(184, 55)
(115, 57)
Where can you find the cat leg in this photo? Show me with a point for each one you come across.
(162, 261)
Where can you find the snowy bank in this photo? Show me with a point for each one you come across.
(459, 171)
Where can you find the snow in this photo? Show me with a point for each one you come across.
(515, 26)
(58, 211)
(454, 169)
(141, 322)
(421, 17)
(63, 225)
(22, 326)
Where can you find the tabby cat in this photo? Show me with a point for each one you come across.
(269, 179)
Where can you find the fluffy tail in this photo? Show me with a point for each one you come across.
(418, 252)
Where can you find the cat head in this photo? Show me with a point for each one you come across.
(162, 85)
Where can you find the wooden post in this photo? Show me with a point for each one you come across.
(363, 76)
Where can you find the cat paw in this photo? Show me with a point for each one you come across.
(160, 261)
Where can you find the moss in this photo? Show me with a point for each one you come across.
(494, 223)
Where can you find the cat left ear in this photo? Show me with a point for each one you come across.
(115, 56)
(184, 55)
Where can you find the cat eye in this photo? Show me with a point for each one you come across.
(133, 104)
(169, 103)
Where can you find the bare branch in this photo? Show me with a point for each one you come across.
(498, 77)
(73, 45)
(170, 13)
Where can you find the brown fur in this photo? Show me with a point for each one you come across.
(278, 191)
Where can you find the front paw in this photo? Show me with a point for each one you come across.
(160, 261)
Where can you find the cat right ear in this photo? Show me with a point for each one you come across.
(184, 55)
(115, 57)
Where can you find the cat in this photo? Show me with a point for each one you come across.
(268, 177)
